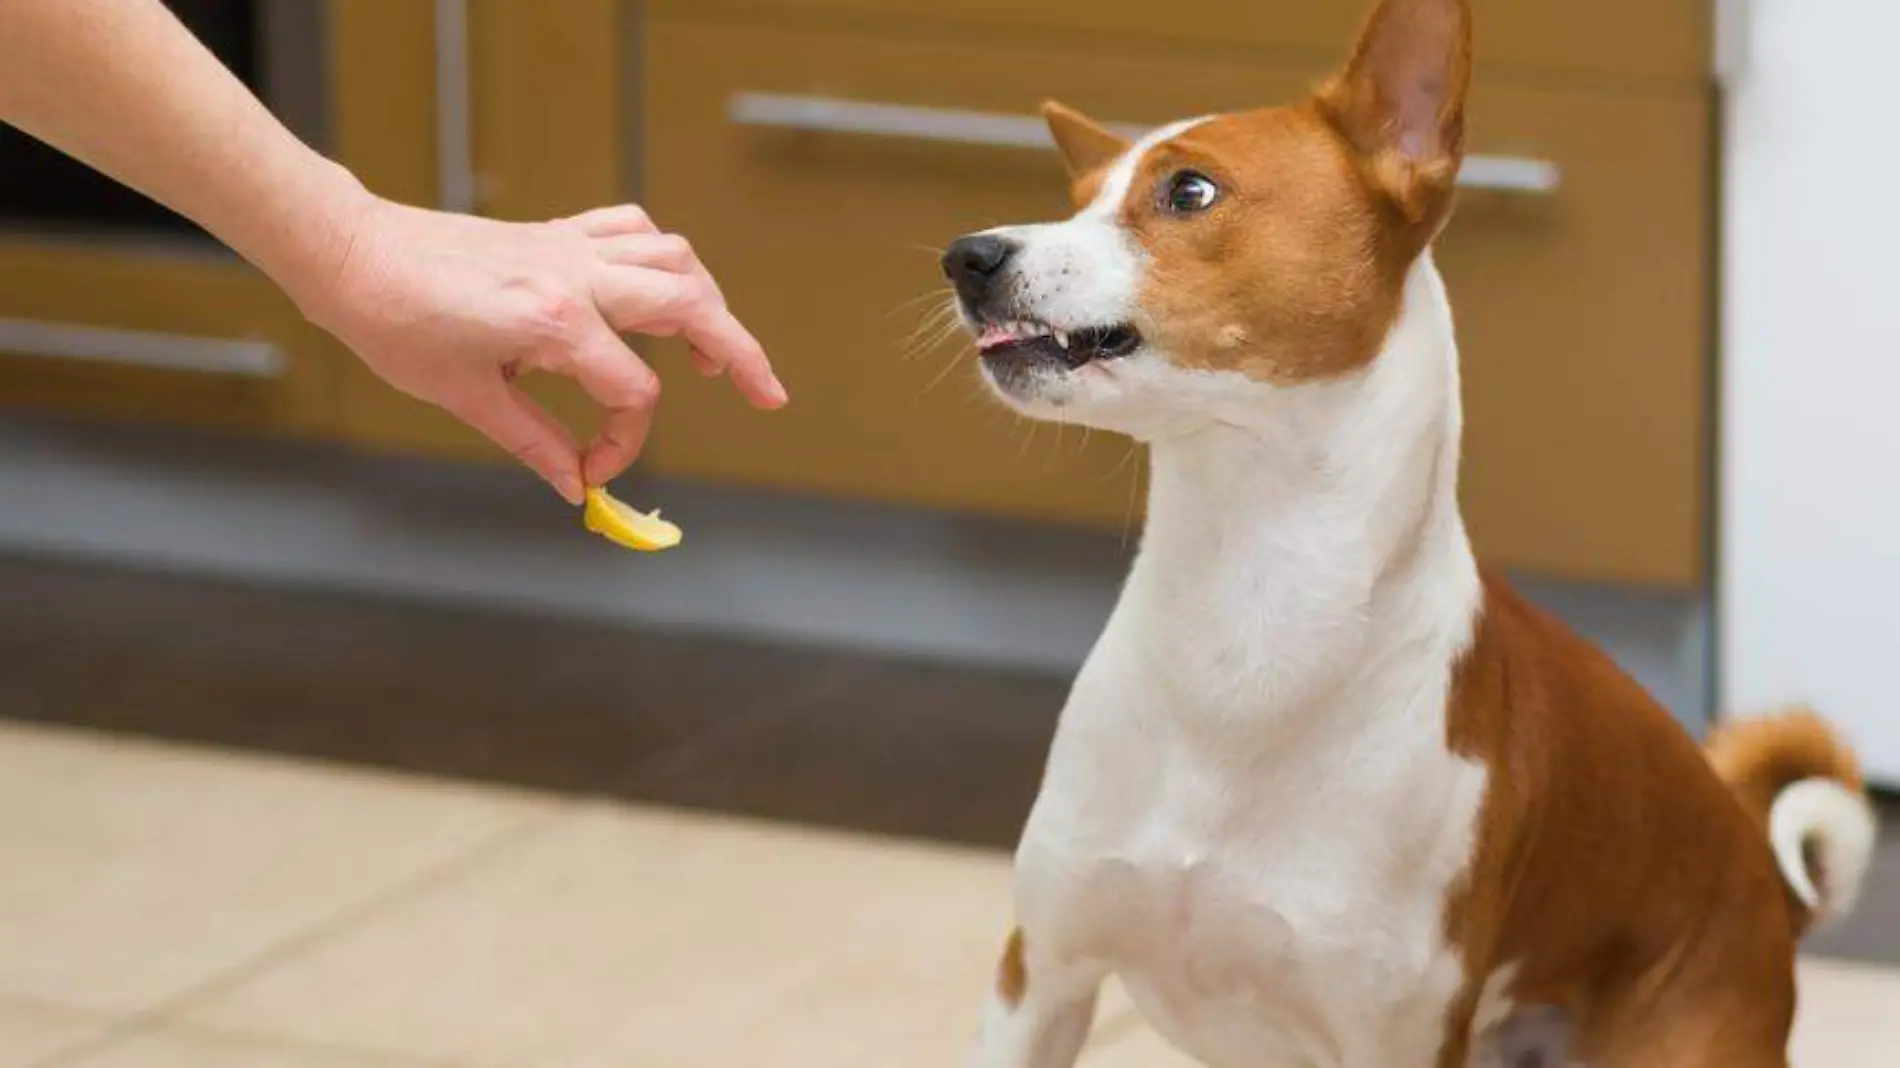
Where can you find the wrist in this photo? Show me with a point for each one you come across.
(307, 251)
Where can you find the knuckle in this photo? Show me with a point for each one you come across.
(673, 297)
(695, 293)
(677, 249)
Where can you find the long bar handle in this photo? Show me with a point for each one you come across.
(821, 114)
(142, 348)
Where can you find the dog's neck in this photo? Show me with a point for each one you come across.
(1313, 542)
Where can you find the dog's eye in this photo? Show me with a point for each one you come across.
(1189, 193)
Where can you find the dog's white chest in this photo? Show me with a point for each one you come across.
(1242, 971)
(1279, 915)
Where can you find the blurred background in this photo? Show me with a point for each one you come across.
(327, 736)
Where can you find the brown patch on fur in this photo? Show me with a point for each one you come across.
(1012, 975)
(1613, 867)
(1764, 755)
(1296, 272)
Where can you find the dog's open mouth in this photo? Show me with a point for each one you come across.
(1075, 348)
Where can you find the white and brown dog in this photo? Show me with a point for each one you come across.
(1326, 795)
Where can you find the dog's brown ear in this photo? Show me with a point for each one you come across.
(1400, 101)
(1086, 145)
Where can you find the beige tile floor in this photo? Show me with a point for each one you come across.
(164, 907)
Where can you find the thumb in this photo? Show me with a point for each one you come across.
(512, 420)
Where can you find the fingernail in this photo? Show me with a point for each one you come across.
(779, 392)
(570, 487)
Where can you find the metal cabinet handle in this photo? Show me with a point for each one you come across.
(455, 140)
(142, 348)
(820, 114)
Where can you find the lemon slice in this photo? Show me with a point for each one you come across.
(626, 526)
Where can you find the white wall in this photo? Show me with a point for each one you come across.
(1810, 528)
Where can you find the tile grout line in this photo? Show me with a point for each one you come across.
(133, 1025)
(107, 1020)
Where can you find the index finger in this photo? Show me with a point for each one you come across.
(640, 300)
(722, 345)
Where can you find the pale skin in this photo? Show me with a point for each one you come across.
(448, 308)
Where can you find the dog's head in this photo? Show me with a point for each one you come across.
(1215, 259)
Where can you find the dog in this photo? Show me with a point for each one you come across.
(1326, 794)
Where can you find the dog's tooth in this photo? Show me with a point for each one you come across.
(1062, 339)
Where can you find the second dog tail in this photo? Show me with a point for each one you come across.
(1803, 784)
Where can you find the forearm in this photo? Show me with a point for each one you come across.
(123, 86)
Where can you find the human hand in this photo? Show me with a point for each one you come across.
(452, 309)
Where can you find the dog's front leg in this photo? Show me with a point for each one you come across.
(1038, 1011)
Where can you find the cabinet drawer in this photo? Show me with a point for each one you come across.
(1581, 309)
(190, 338)
(1630, 38)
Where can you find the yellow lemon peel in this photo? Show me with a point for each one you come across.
(627, 526)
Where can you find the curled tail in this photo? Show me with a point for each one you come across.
(1803, 784)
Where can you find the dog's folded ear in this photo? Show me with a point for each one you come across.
(1400, 102)
(1086, 145)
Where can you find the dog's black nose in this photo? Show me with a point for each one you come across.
(973, 263)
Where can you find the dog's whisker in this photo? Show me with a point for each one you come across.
(943, 293)
(930, 334)
(950, 365)
(925, 346)
(1029, 440)
(1054, 458)
(1134, 495)
(933, 314)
